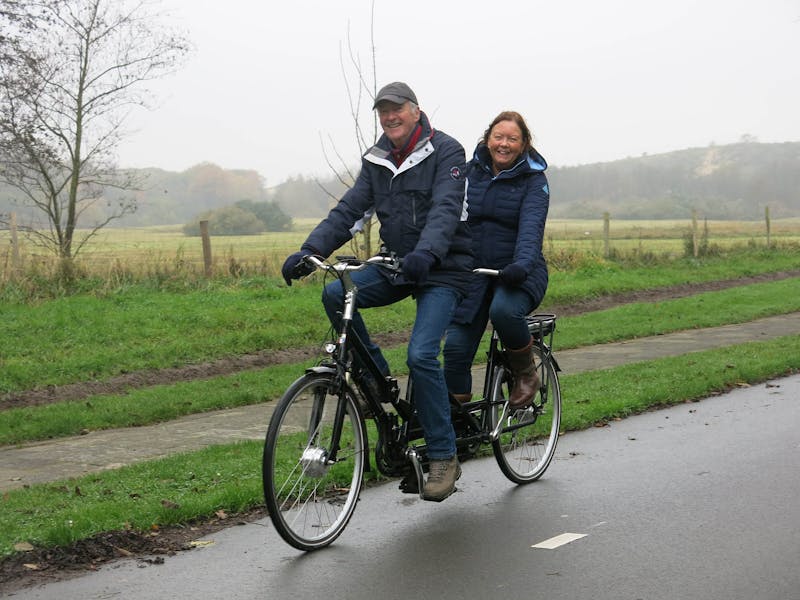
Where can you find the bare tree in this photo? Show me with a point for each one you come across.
(17, 19)
(361, 89)
(64, 98)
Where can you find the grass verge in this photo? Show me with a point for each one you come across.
(162, 403)
(96, 335)
(227, 478)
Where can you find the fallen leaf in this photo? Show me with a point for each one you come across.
(221, 514)
(31, 566)
(122, 551)
(23, 547)
(201, 543)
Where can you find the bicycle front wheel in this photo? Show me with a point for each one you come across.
(527, 437)
(310, 498)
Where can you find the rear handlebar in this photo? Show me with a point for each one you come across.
(487, 272)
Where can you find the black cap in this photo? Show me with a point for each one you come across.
(397, 92)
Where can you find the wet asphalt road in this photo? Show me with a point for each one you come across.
(697, 501)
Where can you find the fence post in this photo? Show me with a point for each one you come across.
(606, 234)
(695, 241)
(206, 247)
(766, 218)
(15, 262)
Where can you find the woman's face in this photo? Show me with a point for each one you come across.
(505, 145)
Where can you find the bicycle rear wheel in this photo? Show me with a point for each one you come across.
(528, 437)
(310, 500)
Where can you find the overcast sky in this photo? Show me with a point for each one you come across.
(596, 81)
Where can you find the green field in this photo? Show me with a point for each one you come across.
(107, 326)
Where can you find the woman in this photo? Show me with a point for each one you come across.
(507, 199)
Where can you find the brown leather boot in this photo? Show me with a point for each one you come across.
(526, 379)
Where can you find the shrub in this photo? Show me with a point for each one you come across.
(230, 220)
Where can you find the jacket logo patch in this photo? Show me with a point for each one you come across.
(455, 173)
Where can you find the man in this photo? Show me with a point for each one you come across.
(413, 180)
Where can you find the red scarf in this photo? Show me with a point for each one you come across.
(400, 154)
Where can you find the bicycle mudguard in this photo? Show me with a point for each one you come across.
(320, 369)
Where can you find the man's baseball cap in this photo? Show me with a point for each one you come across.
(397, 92)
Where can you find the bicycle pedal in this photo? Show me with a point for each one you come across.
(409, 484)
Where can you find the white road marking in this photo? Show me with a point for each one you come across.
(559, 540)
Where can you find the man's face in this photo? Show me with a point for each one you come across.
(398, 121)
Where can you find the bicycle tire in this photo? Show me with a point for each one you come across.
(309, 501)
(527, 442)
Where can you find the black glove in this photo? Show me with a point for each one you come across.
(513, 275)
(416, 265)
(295, 267)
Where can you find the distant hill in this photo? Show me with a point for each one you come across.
(732, 181)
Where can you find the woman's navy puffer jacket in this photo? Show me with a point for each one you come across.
(507, 214)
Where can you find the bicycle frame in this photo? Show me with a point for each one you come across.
(475, 420)
(348, 344)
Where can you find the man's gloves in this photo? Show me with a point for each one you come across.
(416, 266)
(295, 267)
(513, 275)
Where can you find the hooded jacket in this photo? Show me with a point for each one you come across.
(419, 204)
(507, 214)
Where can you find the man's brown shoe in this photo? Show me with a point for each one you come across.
(442, 475)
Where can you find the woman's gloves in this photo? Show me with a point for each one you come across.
(513, 275)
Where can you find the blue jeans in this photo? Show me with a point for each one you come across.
(507, 309)
(435, 307)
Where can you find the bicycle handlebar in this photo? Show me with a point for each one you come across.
(487, 272)
(351, 263)
(388, 261)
